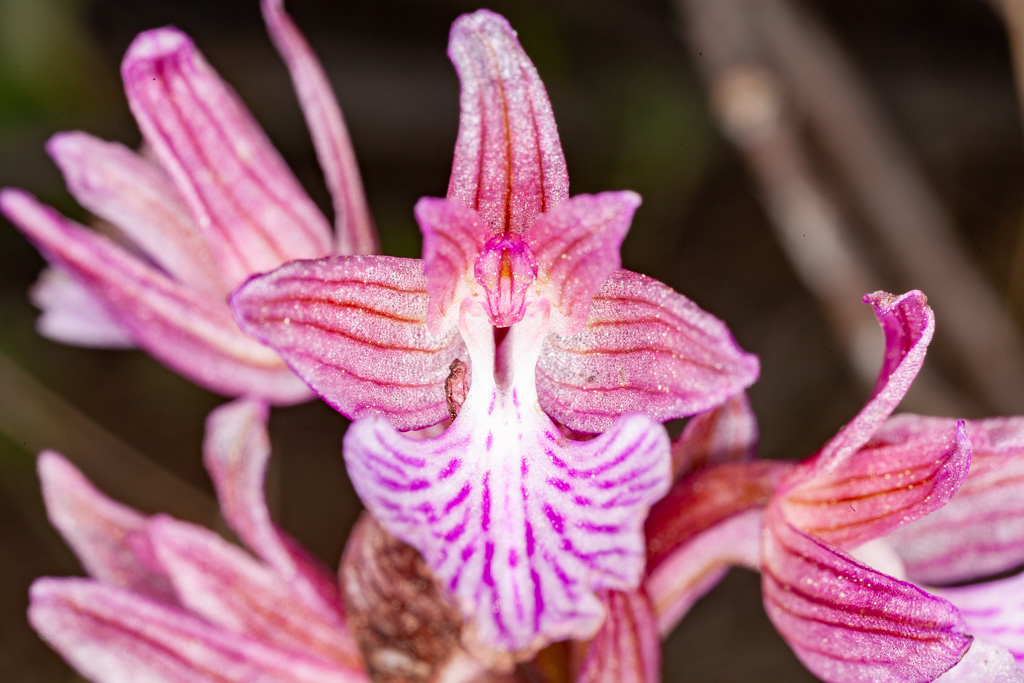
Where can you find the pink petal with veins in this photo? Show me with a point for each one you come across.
(519, 523)
(645, 349)
(981, 531)
(354, 231)
(901, 475)
(577, 247)
(71, 314)
(244, 199)
(847, 622)
(508, 163)
(109, 634)
(137, 197)
(993, 610)
(355, 329)
(908, 324)
(184, 329)
(110, 539)
(722, 435)
(627, 648)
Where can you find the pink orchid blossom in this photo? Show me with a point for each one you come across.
(209, 203)
(521, 524)
(171, 601)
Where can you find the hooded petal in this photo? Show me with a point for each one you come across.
(184, 329)
(137, 197)
(71, 314)
(645, 349)
(901, 475)
(993, 610)
(519, 523)
(722, 435)
(847, 622)
(110, 539)
(109, 634)
(627, 648)
(355, 329)
(354, 231)
(577, 247)
(247, 204)
(508, 163)
(908, 324)
(981, 531)
(227, 587)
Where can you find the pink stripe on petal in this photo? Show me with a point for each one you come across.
(908, 324)
(236, 450)
(645, 349)
(519, 523)
(993, 610)
(901, 475)
(245, 200)
(72, 315)
(137, 197)
(355, 329)
(577, 247)
(354, 231)
(111, 635)
(508, 162)
(722, 435)
(847, 622)
(187, 331)
(452, 238)
(627, 648)
(980, 532)
(110, 539)
(226, 586)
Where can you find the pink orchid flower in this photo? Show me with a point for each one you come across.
(823, 531)
(209, 203)
(171, 601)
(521, 524)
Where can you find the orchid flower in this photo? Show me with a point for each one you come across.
(208, 203)
(171, 601)
(521, 524)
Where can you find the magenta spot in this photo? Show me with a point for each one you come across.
(529, 540)
(467, 552)
(513, 557)
(557, 521)
(450, 469)
(457, 500)
(456, 532)
(515, 398)
(538, 599)
(487, 577)
(418, 484)
(599, 528)
(485, 514)
(560, 484)
(490, 441)
(524, 469)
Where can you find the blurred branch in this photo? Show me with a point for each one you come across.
(750, 104)
(36, 418)
(908, 217)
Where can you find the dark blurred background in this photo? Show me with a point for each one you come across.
(633, 112)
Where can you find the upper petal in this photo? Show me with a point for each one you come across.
(848, 622)
(508, 162)
(981, 531)
(71, 314)
(576, 245)
(247, 204)
(908, 324)
(722, 435)
(188, 331)
(645, 349)
(355, 329)
(353, 225)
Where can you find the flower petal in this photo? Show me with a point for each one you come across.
(227, 587)
(627, 648)
(110, 539)
(901, 475)
(355, 329)
(236, 451)
(984, 663)
(908, 324)
(519, 523)
(72, 315)
(109, 634)
(245, 200)
(508, 163)
(981, 531)
(353, 225)
(137, 197)
(722, 435)
(645, 349)
(187, 331)
(993, 610)
(577, 247)
(847, 622)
